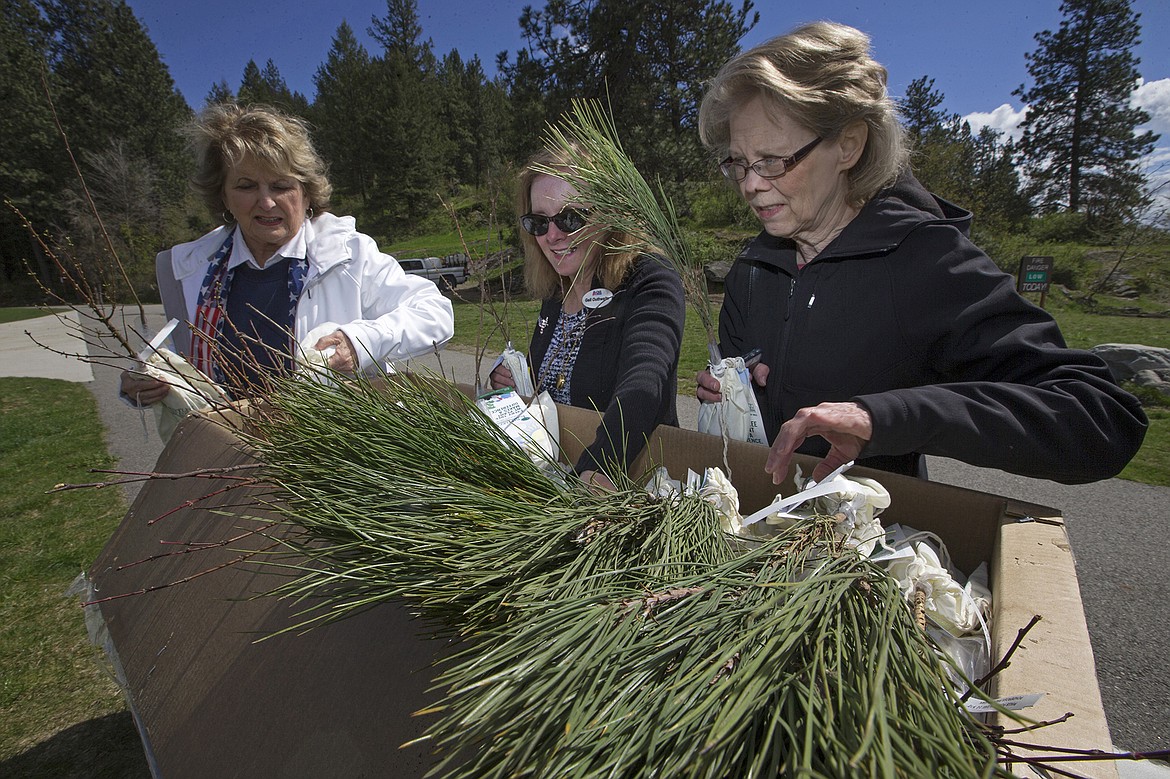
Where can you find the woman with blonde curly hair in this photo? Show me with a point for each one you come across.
(610, 325)
(282, 269)
(884, 333)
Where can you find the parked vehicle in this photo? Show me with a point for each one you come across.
(447, 272)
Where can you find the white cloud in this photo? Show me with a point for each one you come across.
(1005, 119)
(1154, 97)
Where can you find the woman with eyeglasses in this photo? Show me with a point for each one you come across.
(610, 325)
(885, 333)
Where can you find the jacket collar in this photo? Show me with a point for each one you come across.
(326, 243)
(881, 225)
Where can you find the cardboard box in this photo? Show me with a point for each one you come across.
(213, 699)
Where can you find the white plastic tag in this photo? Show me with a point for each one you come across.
(1010, 702)
(782, 505)
(158, 340)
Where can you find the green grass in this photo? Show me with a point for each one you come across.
(1151, 465)
(18, 313)
(443, 244)
(1084, 330)
(56, 697)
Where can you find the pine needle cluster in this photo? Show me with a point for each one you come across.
(618, 634)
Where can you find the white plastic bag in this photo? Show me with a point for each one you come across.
(961, 609)
(739, 412)
(517, 363)
(534, 427)
(191, 390)
(713, 486)
(313, 362)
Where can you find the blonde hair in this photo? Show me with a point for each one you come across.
(541, 278)
(224, 133)
(823, 76)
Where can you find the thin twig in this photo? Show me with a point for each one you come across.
(137, 476)
(197, 546)
(1005, 661)
(88, 198)
(184, 580)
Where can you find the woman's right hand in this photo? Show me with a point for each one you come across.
(143, 390)
(501, 377)
(707, 387)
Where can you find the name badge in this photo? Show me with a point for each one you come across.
(596, 298)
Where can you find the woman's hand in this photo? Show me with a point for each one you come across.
(707, 387)
(501, 377)
(598, 482)
(846, 426)
(343, 359)
(143, 390)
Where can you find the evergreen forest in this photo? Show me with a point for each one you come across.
(423, 146)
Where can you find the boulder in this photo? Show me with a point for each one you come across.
(1127, 361)
(1154, 380)
(715, 272)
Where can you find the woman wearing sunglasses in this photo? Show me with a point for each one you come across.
(610, 324)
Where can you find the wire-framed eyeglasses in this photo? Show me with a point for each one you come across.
(768, 167)
(569, 220)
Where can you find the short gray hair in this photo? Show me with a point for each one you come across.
(822, 75)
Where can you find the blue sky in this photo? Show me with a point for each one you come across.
(974, 49)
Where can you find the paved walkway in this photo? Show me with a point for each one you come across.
(1118, 531)
(27, 348)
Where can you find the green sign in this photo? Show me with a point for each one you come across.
(1034, 274)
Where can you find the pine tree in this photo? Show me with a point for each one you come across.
(342, 113)
(268, 87)
(474, 111)
(116, 103)
(1080, 141)
(920, 108)
(976, 171)
(30, 164)
(410, 153)
(110, 86)
(220, 92)
(645, 59)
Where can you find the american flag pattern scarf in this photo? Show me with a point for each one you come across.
(209, 309)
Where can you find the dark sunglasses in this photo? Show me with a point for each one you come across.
(570, 220)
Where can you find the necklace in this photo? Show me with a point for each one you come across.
(562, 354)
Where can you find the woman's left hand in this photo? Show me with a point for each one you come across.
(343, 359)
(846, 426)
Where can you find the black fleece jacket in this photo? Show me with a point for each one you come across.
(902, 314)
(627, 366)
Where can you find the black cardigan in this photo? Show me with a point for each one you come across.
(627, 366)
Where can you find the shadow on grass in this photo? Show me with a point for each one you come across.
(103, 748)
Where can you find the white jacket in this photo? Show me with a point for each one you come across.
(386, 313)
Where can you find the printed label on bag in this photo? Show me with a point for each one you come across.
(1010, 702)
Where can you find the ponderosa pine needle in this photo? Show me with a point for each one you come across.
(609, 635)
